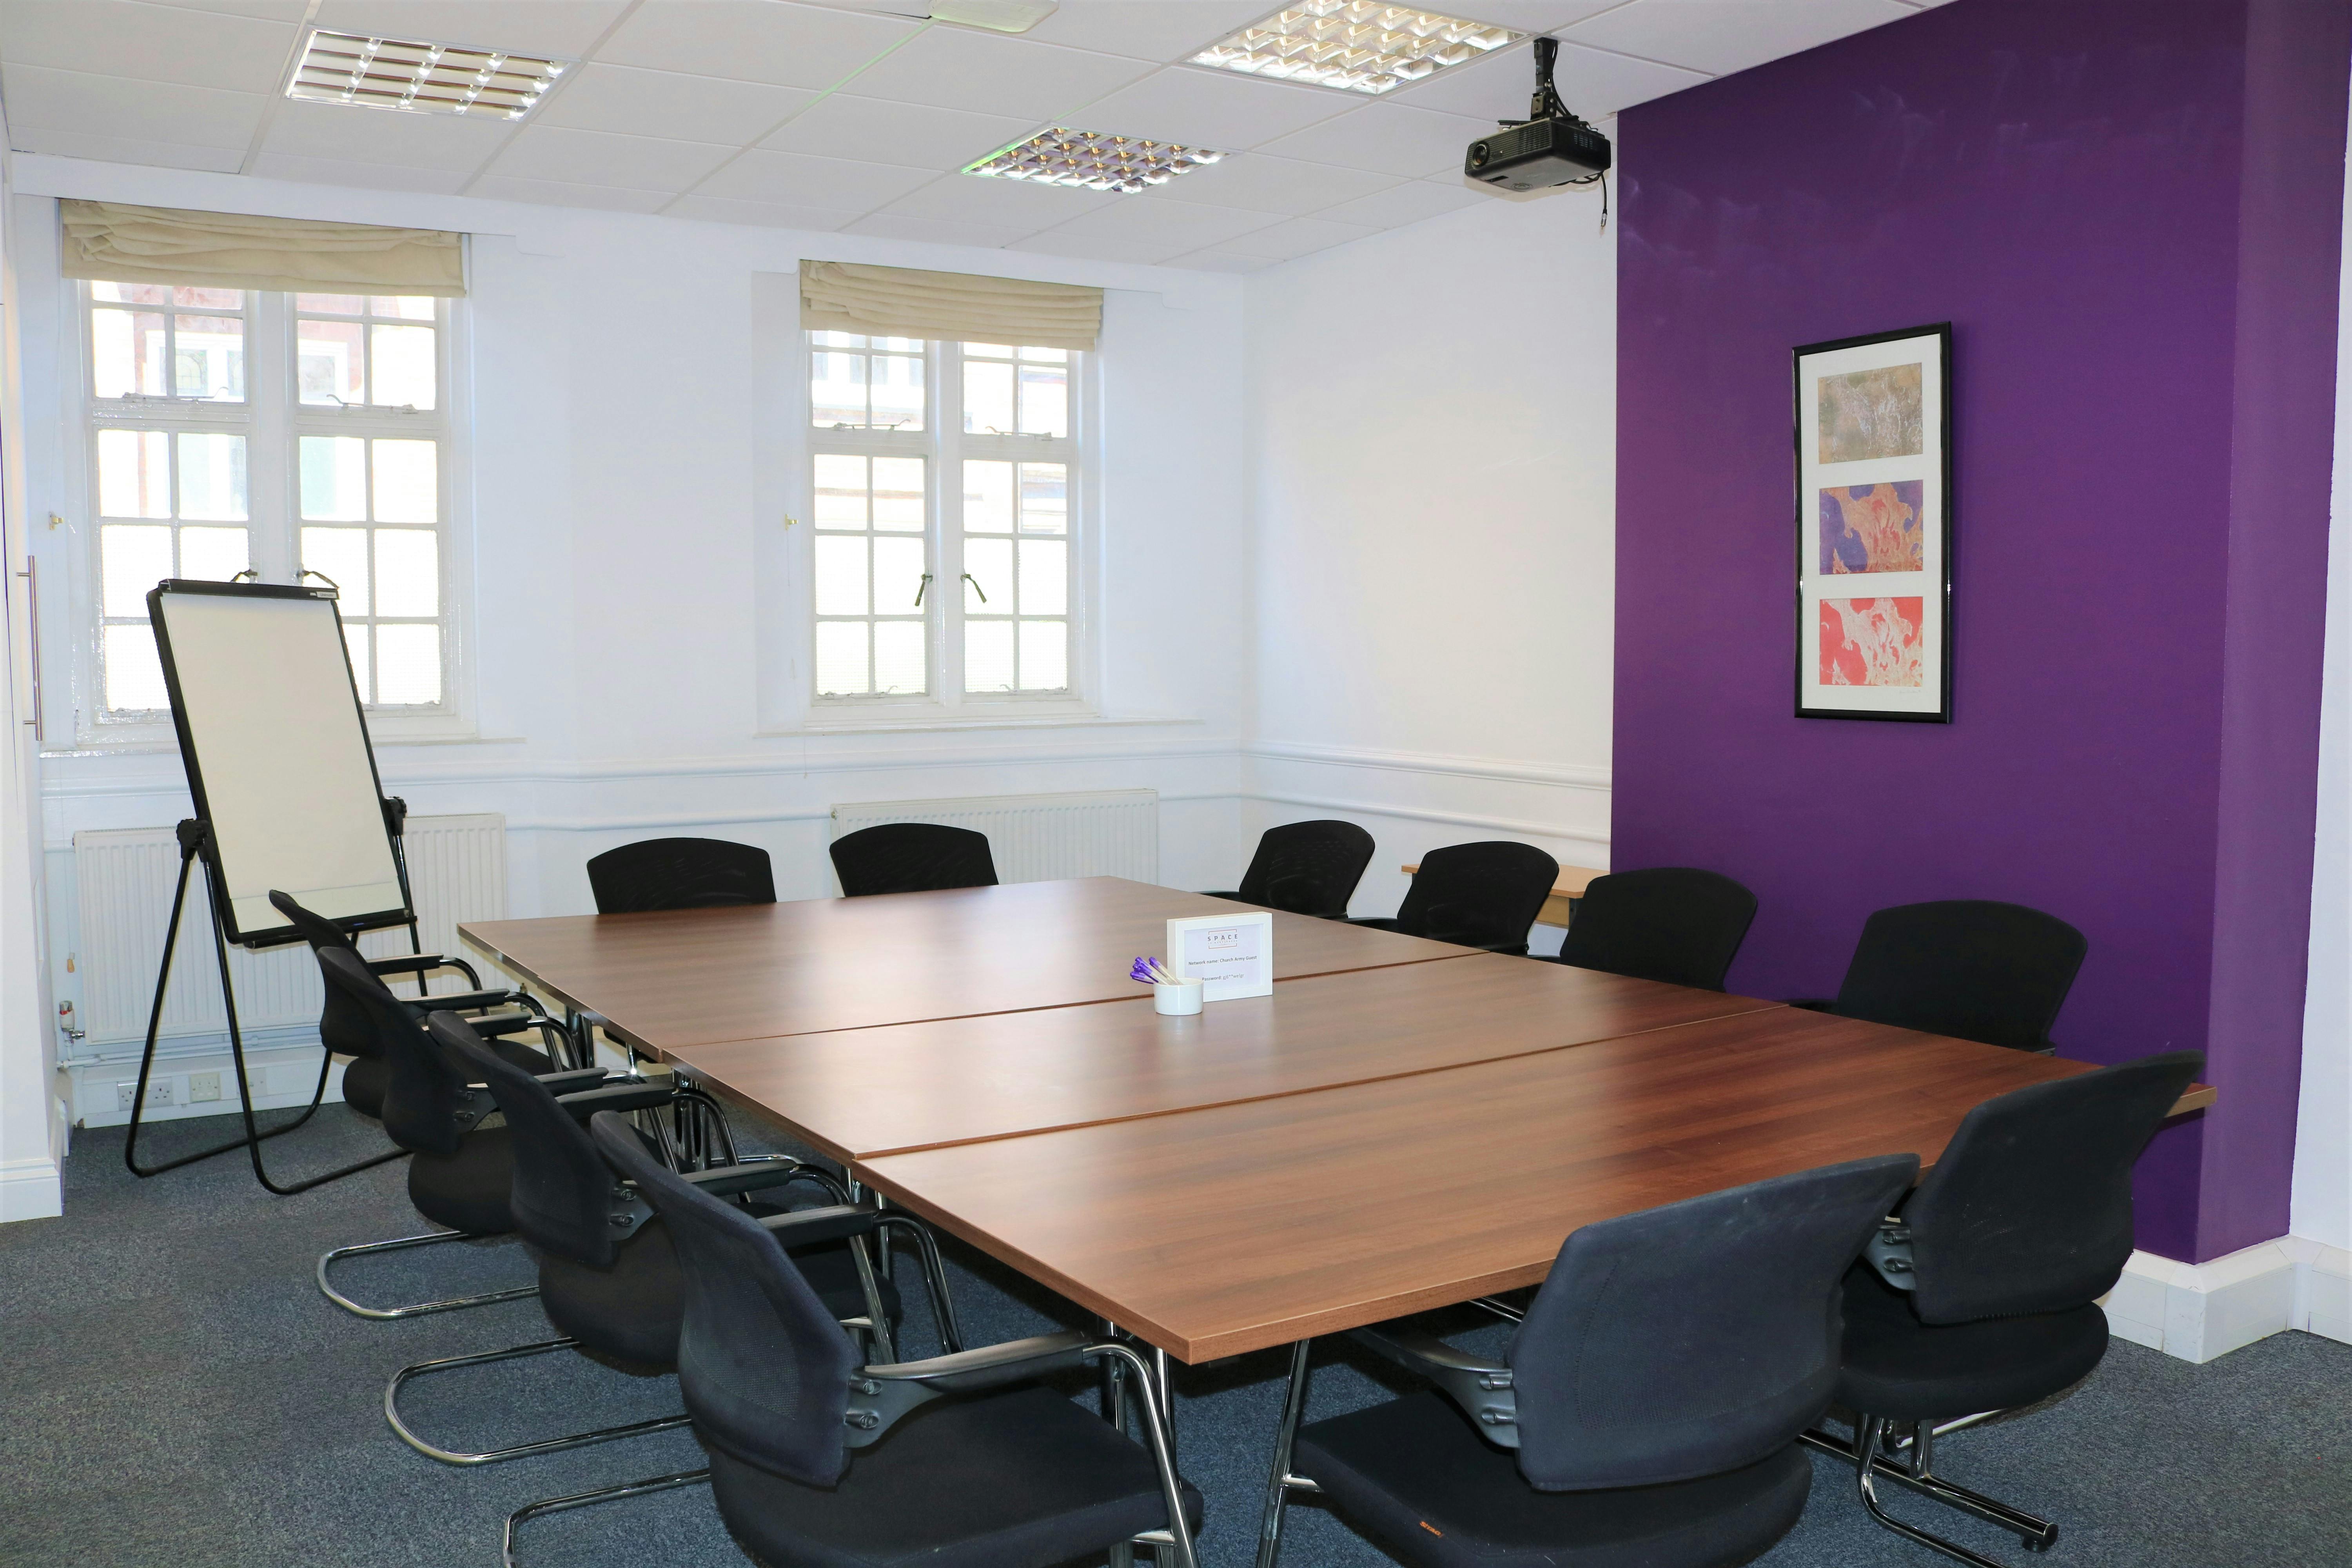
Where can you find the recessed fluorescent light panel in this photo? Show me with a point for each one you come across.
(1355, 44)
(421, 78)
(1093, 161)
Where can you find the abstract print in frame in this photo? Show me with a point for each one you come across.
(1875, 527)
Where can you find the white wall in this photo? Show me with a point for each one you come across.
(1433, 459)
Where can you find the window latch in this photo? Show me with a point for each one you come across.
(922, 588)
(976, 587)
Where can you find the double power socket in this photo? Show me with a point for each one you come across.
(166, 1088)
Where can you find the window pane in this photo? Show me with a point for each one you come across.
(407, 665)
(410, 306)
(334, 479)
(1044, 400)
(839, 340)
(840, 492)
(995, 351)
(988, 655)
(1045, 577)
(987, 396)
(898, 346)
(126, 353)
(401, 361)
(837, 390)
(208, 358)
(898, 393)
(329, 362)
(987, 497)
(840, 575)
(899, 493)
(407, 574)
(898, 575)
(1045, 503)
(407, 482)
(134, 473)
(342, 553)
(988, 562)
(212, 554)
(212, 477)
(1047, 356)
(209, 299)
(1044, 656)
(134, 675)
(333, 304)
(899, 658)
(132, 558)
(355, 643)
(841, 658)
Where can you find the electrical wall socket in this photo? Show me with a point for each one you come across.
(258, 1080)
(125, 1093)
(159, 1092)
(203, 1086)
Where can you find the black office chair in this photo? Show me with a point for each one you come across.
(1971, 968)
(911, 858)
(1981, 1294)
(961, 1461)
(1648, 1410)
(1475, 895)
(680, 874)
(1307, 868)
(459, 1170)
(344, 1029)
(608, 1275)
(1669, 923)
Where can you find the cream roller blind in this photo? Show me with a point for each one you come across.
(124, 244)
(898, 301)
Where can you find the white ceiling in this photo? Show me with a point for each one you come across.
(845, 114)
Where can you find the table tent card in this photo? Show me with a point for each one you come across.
(1233, 954)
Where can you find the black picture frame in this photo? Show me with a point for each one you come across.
(1931, 470)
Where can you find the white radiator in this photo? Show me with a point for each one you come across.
(456, 872)
(1040, 838)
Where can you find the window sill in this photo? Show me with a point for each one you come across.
(869, 724)
(166, 746)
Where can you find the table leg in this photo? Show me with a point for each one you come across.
(1279, 1482)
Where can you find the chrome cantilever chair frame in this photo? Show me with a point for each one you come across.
(1869, 1451)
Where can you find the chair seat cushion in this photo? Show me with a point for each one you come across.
(1015, 1480)
(527, 1057)
(632, 1311)
(467, 1190)
(1898, 1367)
(363, 1082)
(1414, 1476)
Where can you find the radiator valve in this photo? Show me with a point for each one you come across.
(65, 1021)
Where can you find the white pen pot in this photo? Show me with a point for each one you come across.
(1177, 999)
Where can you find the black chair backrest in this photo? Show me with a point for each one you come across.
(1307, 868)
(1970, 968)
(2030, 1209)
(1696, 1338)
(342, 1025)
(561, 1195)
(680, 874)
(423, 1090)
(912, 857)
(764, 1367)
(1668, 923)
(1480, 895)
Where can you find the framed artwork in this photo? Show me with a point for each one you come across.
(1875, 527)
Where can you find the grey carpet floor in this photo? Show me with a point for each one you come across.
(175, 1391)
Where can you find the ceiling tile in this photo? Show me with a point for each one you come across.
(1217, 109)
(381, 136)
(1724, 35)
(1409, 203)
(152, 43)
(1054, 242)
(989, 73)
(123, 149)
(1388, 139)
(1160, 30)
(1223, 261)
(938, 231)
(971, 198)
(599, 97)
(1268, 184)
(1593, 84)
(599, 158)
(371, 177)
(770, 215)
(563, 29)
(914, 134)
(134, 110)
(1296, 238)
(1180, 226)
(1539, 15)
(795, 179)
(287, 11)
(562, 194)
(753, 40)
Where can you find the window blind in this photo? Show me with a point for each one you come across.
(124, 244)
(898, 301)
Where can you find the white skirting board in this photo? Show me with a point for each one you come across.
(30, 1189)
(2201, 1310)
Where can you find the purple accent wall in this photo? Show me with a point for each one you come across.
(2129, 211)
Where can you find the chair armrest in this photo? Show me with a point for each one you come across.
(761, 1170)
(880, 1395)
(460, 1001)
(803, 1228)
(421, 963)
(573, 1080)
(1481, 1388)
(622, 1097)
(502, 1023)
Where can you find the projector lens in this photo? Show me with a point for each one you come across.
(1478, 154)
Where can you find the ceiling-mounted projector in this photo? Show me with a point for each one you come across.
(1550, 147)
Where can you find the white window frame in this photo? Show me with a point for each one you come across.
(944, 444)
(272, 418)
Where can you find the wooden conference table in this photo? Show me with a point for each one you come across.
(1401, 1125)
